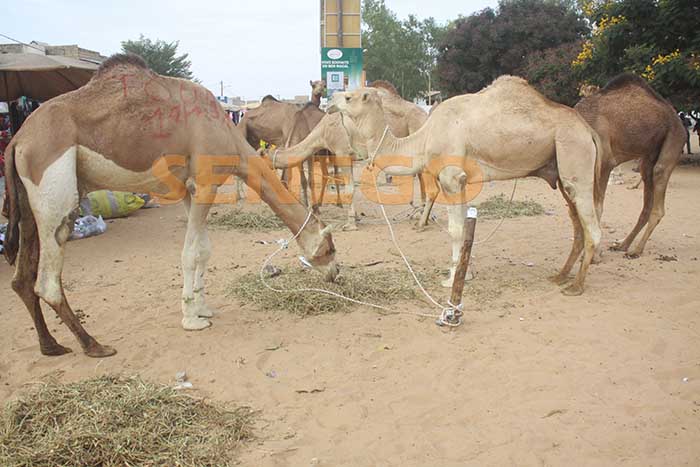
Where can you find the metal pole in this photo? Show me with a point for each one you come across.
(463, 265)
(340, 23)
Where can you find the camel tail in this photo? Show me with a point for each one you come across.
(11, 207)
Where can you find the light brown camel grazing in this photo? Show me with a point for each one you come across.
(634, 122)
(113, 133)
(404, 118)
(534, 137)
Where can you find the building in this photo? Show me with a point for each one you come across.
(42, 48)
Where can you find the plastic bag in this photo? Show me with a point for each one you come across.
(88, 226)
(110, 204)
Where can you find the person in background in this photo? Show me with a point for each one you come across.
(686, 124)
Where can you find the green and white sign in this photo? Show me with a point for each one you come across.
(341, 68)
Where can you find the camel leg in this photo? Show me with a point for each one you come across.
(54, 203)
(352, 215)
(428, 198)
(576, 247)
(24, 280)
(195, 254)
(646, 171)
(456, 213)
(305, 182)
(576, 158)
(602, 186)
(668, 159)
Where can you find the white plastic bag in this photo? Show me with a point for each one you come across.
(88, 226)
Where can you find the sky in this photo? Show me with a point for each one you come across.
(255, 47)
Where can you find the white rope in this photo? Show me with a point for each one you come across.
(450, 315)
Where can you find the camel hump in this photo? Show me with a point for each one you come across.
(626, 80)
(269, 98)
(126, 59)
(386, 85)
(509, 79)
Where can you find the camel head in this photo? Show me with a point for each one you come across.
(317, 243)
(318, 88)
(587, 90)
(364, 107)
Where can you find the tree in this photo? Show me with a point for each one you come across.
(657, 39)
(160, 56)
(485, 45)
(402, 52)
(550, 72)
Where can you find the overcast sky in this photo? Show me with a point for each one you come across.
(254, 47)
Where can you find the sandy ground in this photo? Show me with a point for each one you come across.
(532, 378)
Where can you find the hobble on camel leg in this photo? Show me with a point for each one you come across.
(457, 213)
(194, 257)
(24, 281)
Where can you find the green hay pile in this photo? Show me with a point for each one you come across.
(381, 287)
(113, 421)
(497, 207)
(247, 221)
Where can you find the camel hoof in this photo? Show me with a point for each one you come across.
(559, 279)
(194, 323)
(100, 351)
(573, 290)
(55, 350)
(632, 255)
(350, 227)
(205, 312)
(617, 247)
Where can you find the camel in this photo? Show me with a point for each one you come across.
(133, 130)
(534, 137)
(634, 122)
(404, 118)
(275, 121)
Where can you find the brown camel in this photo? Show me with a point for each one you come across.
(404, 118)
(274, 121)
(534, 137)
(124, 130)
(634, 122)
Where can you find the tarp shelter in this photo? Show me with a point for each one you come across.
(41, 77)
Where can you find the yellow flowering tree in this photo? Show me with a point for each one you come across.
(657, 39)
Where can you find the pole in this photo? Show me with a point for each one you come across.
(222, 89)
(463, 265)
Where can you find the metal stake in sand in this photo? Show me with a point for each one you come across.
(462, 266)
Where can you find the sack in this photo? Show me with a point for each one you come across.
(110, 204)
(88, 226)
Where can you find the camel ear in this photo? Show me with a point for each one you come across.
(365, 97)
(311, 83)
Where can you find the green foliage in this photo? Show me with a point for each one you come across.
(550, 72)
(400, 51)
(160, 56)
(487, 44)
(657, 39)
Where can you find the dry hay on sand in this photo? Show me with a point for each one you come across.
(497, 207)
(380, 287)
(261, 220)
(113, 421)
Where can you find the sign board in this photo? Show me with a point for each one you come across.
(341, 68)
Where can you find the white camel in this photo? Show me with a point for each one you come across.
(532, 137)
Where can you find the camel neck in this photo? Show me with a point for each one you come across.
(316, 100)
